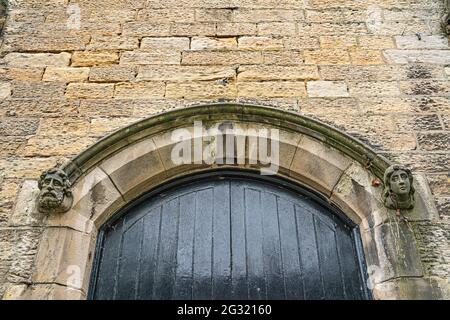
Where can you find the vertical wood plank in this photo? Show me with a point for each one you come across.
(183, 282)
(150, 244)
(348, 259)
(106, 280)
(329, 261)
(129, 262)
(221, 242)
(289, 250)
(273, 267)
(238, 242)
(203, 245)
(312, 280)
(255, 262)
(166, 265)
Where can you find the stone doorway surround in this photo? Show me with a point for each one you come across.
(136, 159)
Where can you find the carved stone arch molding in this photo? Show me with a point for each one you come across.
(136, 159)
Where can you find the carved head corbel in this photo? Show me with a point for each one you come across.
(398, 188)
(55, 195)
(445, 21)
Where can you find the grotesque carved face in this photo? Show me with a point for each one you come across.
(399, 182)
(52, 191)
(54, 187)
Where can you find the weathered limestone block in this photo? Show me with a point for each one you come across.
(327, 89)
(114, 73)
(133, 168)
(102, 126)
(152, 57)
(364, 57)
(10, 145)
(22, 89)
(412, 289)
(333, 42)
(206, 43)
(36, 107)
(273, 89)
(280, 14)
(198, 89)
(5, 90)
(376, 42)
(46, 41)
(418, 122)
(262, 73)
(37, 60)
(25, 211)
(184, 73)
(21, 74)
(167, 15)
(25, 242)
(141, 90)
(336, 15)
(43, 292)
(277, 29)
(391, 251)
(101, 42)
(282, 58)
(260, 43)
(425, 87)
(434, 141)
(221, 58)
(439, 184)
(106, 107)
(64, 126)
(165, 43)
(145, 29)
(64, 258)
(446, 121)
(327, 56)
(351, 28)
(193, 29)
(214, 15)
(443, 207)
(93, 58)
(236, 29)
(66, 74)
(26, 168)
(89, 91)
(389, 141)
(38, 146)
(379, 88)
(431, 162)
(381, 72)
(418, 56)
(314, 159)
(432, 241)
(300, 42)
(18, 126)
(326, 106)
(425, 42)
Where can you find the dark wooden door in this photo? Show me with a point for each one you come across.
(228, 239)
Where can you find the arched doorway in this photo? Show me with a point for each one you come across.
(229, 235)
(112, 174)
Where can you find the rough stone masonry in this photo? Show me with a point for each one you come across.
(71, 72)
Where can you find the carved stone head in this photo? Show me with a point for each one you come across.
(446, 23)
(398, 188)
(55, 195)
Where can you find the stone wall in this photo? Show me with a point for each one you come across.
(71, 72)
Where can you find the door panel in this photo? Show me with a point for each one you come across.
(232, 238)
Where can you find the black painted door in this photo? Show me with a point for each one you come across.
(228, 239)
